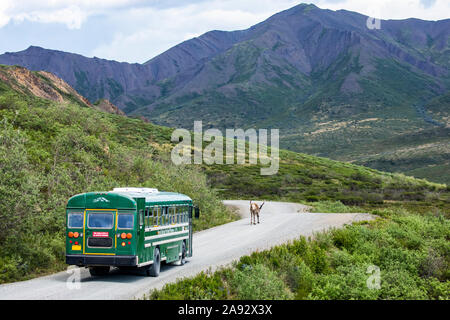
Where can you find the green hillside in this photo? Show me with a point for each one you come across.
(51, 150)
(404, 129)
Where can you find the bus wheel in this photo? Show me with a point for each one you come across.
(153, 270)
(182, 260)
(98, 271)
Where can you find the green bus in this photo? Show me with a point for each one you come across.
(128, 227)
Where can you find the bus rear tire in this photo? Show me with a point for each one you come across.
(153, 270)
(99, 271)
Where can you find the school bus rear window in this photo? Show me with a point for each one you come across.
(75, 220)
(100, 220)
(125, 221)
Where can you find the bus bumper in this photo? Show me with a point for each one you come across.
(93, 260)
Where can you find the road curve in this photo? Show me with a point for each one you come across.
(280, 222)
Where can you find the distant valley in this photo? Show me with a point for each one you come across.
(334, 88)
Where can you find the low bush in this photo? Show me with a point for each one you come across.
(401, 255)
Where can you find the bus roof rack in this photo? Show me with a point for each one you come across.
(137, 190)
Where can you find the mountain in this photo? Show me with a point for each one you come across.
(54, 144)
(107, 106)
(43, 84)
(40, 84)
(333, 87)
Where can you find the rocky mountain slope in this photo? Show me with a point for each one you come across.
(43, 84)
(332, 86)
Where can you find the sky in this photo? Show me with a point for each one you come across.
(138, 30)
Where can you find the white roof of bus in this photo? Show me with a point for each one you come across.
(151, 194)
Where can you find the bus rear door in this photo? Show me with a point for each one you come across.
(100, 232)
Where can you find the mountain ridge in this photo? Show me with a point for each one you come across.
(316, 74)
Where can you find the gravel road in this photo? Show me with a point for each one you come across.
(280, 222)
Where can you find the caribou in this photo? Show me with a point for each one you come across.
(254, 212)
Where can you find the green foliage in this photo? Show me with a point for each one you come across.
(204, 286)
(258, 282)
(411, 250)
(51, 151)
(330, 185)
(330, 206)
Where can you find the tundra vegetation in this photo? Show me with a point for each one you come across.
(410, 248)
(50, 151)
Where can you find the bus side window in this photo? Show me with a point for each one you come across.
(152, 217)
(177, 214)
(169, 211)
(147, 209)
(151, 214)
(164, 216)
(174, 215)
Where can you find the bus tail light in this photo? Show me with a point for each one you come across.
(129, 235)
(123, 235)
(70, 234)
(75, 234)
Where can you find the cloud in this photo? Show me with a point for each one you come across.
(388, 9)
(72, 13)
(427, 3)
(4, 18)
(160, 29)
(72, 17)
(137, 30)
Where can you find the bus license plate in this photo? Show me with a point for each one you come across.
(74, 247)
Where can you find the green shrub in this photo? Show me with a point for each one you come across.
(258, 282)
(204, 286)
(345, 238)
(50, 151)
(348, 282)
(329, 206)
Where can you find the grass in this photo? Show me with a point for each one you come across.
(409, 250)
(51, 151)
(304, 178)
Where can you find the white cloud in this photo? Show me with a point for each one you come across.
(72, 13)
(4, 18)
(72, 16)
(389, 9)
(161, 29)
(141, 29)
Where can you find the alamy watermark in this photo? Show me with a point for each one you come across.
(371, 22)
(374, 280)
(213, 153)
(73, 282)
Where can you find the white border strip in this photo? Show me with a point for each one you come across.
(166, 235)
(165, 241)
(166, 227)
